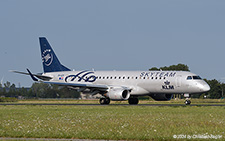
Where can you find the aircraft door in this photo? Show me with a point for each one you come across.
(178, 81)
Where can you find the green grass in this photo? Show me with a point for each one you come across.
(96, 101)
(111, 122)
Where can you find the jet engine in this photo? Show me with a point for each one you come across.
(161, 97)
(118, 94)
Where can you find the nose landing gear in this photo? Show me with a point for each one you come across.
(187, 101)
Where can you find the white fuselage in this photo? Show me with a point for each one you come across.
(140, 82)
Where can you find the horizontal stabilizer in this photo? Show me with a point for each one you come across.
(42, 77)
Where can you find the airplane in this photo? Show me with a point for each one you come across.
(118, 85)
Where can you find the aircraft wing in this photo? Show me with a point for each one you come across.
(83, 85)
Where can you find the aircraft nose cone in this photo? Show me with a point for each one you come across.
(206, 88)
(203, 86)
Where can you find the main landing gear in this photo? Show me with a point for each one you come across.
(133, 100)
(104, 101)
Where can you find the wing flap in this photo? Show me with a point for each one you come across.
(91, 86)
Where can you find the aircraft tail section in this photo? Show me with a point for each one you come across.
(49, 59)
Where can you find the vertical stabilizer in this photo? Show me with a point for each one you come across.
(49, 59)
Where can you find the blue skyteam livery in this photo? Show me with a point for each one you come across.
(118, 85)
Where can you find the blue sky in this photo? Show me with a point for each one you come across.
(113, 35)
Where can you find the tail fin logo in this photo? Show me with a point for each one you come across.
(47, 57)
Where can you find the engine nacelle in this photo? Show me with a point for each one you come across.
(118, 94)
(161, 97)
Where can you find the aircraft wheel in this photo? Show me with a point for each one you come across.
(187, 102)
(133, 101)
(104, 101)
(107, 100)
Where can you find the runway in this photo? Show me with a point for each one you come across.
(70, 104)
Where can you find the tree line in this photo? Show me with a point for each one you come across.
(42, 90)
(37, 90)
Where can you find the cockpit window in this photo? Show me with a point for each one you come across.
(189, 78)
(194, 77)
(197, 77)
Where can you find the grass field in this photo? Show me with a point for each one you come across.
(96, 101)
(112, 122)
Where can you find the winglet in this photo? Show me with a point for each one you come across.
(32, 76)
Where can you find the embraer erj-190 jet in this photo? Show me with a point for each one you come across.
(118, 85)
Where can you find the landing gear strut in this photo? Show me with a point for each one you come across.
(133, 100)
(104, 101)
